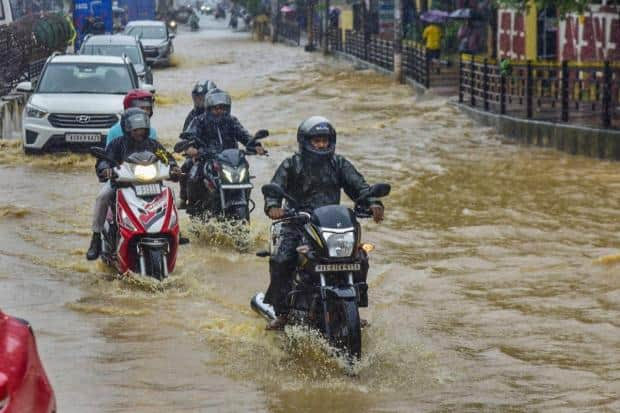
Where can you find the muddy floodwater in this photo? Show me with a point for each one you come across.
(494, 286)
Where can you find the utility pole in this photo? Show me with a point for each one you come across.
(275, 17)
(398, 42)
(326, 27)
(310, 26)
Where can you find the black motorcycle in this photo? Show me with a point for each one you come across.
(329, 282)
(226, 182)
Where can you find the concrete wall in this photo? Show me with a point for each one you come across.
(11, 108)
(576, 140)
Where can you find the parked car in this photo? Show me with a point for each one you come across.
(24, 386)
(119, 45)
(76, 100)
(155, 37)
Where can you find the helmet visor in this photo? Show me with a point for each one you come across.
(138, 121)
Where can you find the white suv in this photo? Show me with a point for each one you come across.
(75, 102)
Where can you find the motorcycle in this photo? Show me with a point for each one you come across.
(328, 284)
(220, 12)
(226, 182)
(194, 23)
(141, 231)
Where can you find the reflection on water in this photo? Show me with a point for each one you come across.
(494, 286)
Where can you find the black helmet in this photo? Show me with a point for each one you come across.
(217, 97)
(134, 118)
(202, 88)
(312, 127)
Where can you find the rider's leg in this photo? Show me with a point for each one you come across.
(103, 201)
(281, 269)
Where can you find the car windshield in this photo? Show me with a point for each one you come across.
(133, 52)
(85, 78)
(148, 32)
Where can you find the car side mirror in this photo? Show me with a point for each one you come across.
(25, 87)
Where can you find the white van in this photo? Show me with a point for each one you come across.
(6, 13)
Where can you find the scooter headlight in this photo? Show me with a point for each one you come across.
(339, 244)
(145, 173)
(173, 219)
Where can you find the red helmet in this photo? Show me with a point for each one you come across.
(138, 98)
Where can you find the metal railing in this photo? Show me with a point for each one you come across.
(289, 31)
(584, 93)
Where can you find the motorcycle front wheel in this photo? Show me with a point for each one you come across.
(154, 260)
(345, 327)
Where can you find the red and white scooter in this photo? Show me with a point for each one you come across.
(141, 231)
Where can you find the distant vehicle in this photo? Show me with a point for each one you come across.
(75, 102)
(119, 45)
(138, 9)
(155, 38)
(24, 386)
(6, 13)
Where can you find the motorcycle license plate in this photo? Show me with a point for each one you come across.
(337, 267)
(147, 190)
(82, 137)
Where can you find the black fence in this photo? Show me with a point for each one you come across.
(290, 31)
(583, 93)
(415, 64)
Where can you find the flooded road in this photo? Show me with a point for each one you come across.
(494, 286)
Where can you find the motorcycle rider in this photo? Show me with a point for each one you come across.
(135, 125)
(136, 98)
(314, 177)
(215, 130)
(198, 96)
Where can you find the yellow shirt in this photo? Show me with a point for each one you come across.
(432, 35)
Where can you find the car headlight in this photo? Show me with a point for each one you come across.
(145, 172)
(34, 112)
(339, 245)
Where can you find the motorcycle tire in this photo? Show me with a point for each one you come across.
(241, 213)
(154, 261)
(345, 327)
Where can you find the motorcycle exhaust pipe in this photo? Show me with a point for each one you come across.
(265, 310)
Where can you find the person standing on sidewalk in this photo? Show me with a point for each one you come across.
(432, 39)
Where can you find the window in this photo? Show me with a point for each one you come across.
(133, 52)
(85, 78)
(148, 32)
(1, 11)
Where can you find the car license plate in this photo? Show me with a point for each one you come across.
(82, 137)
(337, 267)
(147, 190)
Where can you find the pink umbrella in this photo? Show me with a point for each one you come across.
(287, 9)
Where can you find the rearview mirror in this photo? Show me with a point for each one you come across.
(261, 134)
(172, 35)
(4, 390)
(183, 145)
(273, 191)
(379, 190)
(25, 87)
(100, 153)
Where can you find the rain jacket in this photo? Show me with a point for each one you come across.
(119, 149)
(191, 115)
(217, 134)
(317, 185)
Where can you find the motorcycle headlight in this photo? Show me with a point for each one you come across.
(145, 172)
(339, 245)
(173, 219)
(34, 112)
(173, 24)
(230, 175)
(242, 173)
